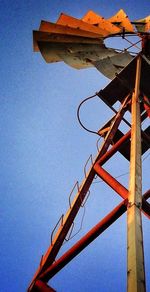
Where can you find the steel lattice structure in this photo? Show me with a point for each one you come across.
(80, 43)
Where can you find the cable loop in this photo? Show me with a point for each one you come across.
(78, 114)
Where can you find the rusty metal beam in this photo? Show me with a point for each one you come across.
(84, 241)
(135, 266)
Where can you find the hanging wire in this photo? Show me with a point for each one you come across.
(78, 114)
(123, 174)
(146, 157)
(81, 224)
(123, 50)
(80, 228)
(120, 175)
(133, 44)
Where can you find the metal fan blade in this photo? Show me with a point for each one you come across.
(110, 66)
(80, 56)
(64, 29)
(80, 42)
(143, 25)
(76, 55)
(95, 19)
(121, 19)
(42, 36)
(77, 23)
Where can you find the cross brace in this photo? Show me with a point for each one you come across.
(48, 266)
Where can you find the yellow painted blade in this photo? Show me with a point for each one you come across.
(77, 23)
(122, 20)
(42, 36)
(95, 19)
(64, 29)
(143, 25)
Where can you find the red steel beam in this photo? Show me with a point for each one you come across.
(147, 195)
(145, 204)
(146, 138)
(109, 154)
(120, 189)
(40, 286)
(118, 144)
(111, 181)
(89, 237)
(114, 148)
(84, 241)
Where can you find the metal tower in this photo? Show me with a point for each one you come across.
(73, 41)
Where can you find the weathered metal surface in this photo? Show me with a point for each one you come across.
(135, 254)
(110, 66)
(81, 54)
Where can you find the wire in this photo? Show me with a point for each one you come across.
(78, 114)
(123, 50)
(80, 228)
(123, 174)
(101, 181)
(81, 224)
(146, 157)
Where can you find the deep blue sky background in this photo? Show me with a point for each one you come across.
(43, 150)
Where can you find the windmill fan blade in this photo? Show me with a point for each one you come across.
(143, 25)
(122, 20)
(95, 19)
(80, 42)
(77, 23)
(64, 29)
(76, 55)
(110, 66)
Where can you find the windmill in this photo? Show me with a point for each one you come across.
(80, 43)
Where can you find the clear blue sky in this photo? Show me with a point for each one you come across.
(43, 150)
